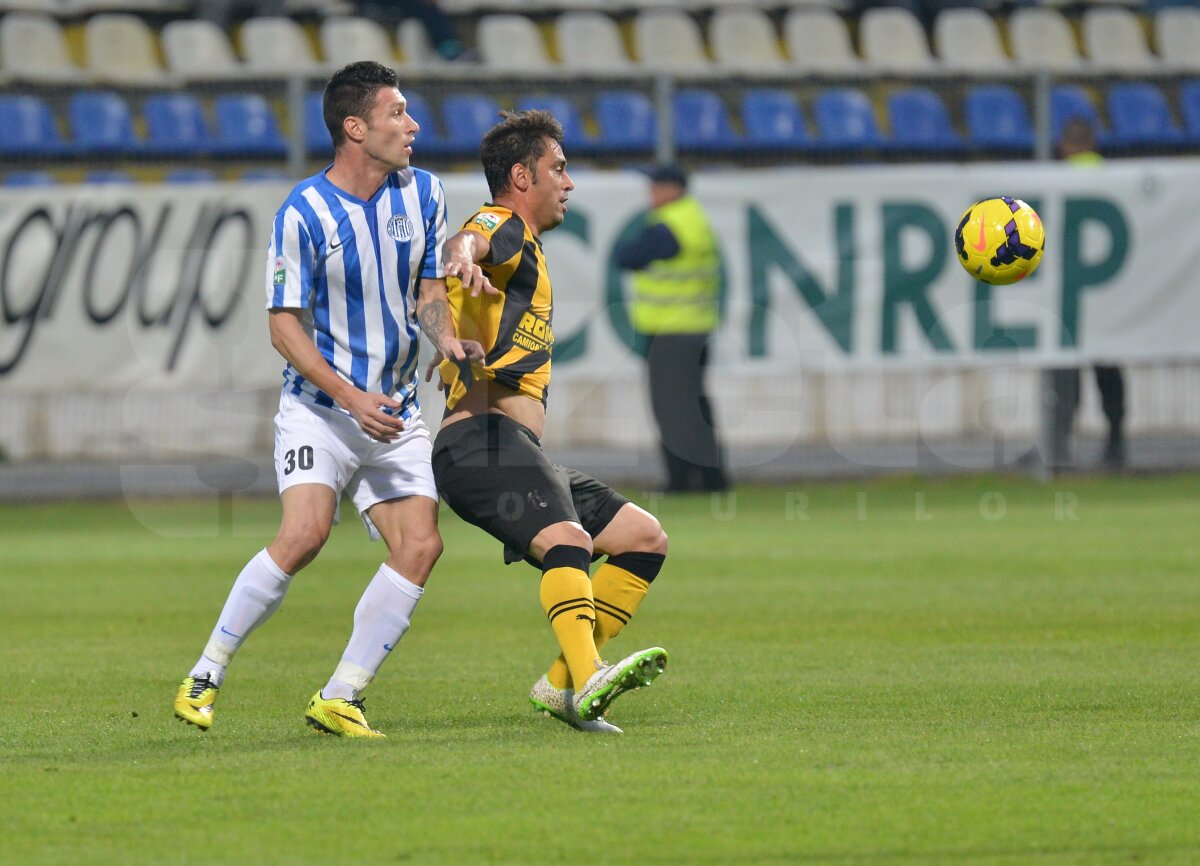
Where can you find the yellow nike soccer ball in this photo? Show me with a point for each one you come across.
(1000, 240)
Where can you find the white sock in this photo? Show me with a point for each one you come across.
(256, 594)
(380, 620)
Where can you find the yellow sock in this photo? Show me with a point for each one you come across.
(567, 599)
(617, 594)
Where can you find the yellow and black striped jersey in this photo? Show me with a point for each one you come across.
(513, 326)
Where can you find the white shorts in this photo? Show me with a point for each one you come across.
(315, 445)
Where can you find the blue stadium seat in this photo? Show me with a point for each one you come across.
(107, 176)
(1069, 101)
(576, 140)
(998, 119)
(702, 123)
(774, 120)
(101, 122)
(316, 134)
(1189, 109)
(920, 123)
(246, 126)
(175, 125)
(30, 179)
(1141, 117)
(846, 120)
(191, 175)
(28, 128)
(465, 118)
(265, 175)
(429, 139)
(627, 121)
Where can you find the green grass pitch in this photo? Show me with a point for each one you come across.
(975, 671)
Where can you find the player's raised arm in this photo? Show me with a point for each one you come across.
(462, 255)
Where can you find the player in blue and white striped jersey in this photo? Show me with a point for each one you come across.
(354, 272)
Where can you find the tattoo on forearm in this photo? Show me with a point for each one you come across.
(435, 320)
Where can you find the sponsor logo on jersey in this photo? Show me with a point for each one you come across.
(489, 221)
(533, 334)
(400, 228)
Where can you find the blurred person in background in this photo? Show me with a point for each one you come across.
(675, 309)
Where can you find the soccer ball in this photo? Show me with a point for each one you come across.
(1000, 240)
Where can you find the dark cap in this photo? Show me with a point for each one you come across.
(668, 173)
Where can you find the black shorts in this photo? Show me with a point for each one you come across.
(493, 473)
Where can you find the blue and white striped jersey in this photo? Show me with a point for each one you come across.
(353, 266)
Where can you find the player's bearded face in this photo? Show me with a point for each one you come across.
(390, 129)
(552, 186)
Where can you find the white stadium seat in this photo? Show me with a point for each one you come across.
(1177, 37)
(346, 39)
(33, 47)
(744, 40)
(590, 42)
(966, 40)
(511, 42)
(818, 42)
(669, 40)
(1115, 42)
(1043, 39)
(892, 40)
(274, 46)
(121, 49)
(199, 49)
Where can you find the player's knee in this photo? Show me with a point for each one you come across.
(425, 549)
(299, 544)
(645, 535)
(569, 534)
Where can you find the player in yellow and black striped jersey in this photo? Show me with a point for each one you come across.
(488, 460)
(514, 326)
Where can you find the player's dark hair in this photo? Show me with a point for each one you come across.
(518, 139)
(351, 93)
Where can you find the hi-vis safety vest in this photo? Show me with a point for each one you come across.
(680, 295)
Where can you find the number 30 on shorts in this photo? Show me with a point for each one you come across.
(301, 458)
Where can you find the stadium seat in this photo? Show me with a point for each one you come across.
(998, 119)
(669, 40)
(415, 47)
(191, 175)
(175, 125)
(702, 123)
(316, 135)
(1068, 101)
(626, 120)
(1177, 37)
(590, 42)
(246, 126)
(744, 40)
(346, 39)
(818, 41)
(30, 178)
(33, 47)
(121, 49)
(28, 128)
(1189, 109)
(273, 46)
(1041, 38)
(576, 140)
(429, 139)
(512, 42)
(1141, 118)
(265, 175)
(196, 49)
(774, 120)
(966, 40)
(101, 123)
(846, 120)
(920, 123)
(465, 119)
(1114, 41)
(892, 40)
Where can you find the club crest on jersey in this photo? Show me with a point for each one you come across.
(400, 228)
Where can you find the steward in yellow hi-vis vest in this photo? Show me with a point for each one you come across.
(679, 295)
(513, 326)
